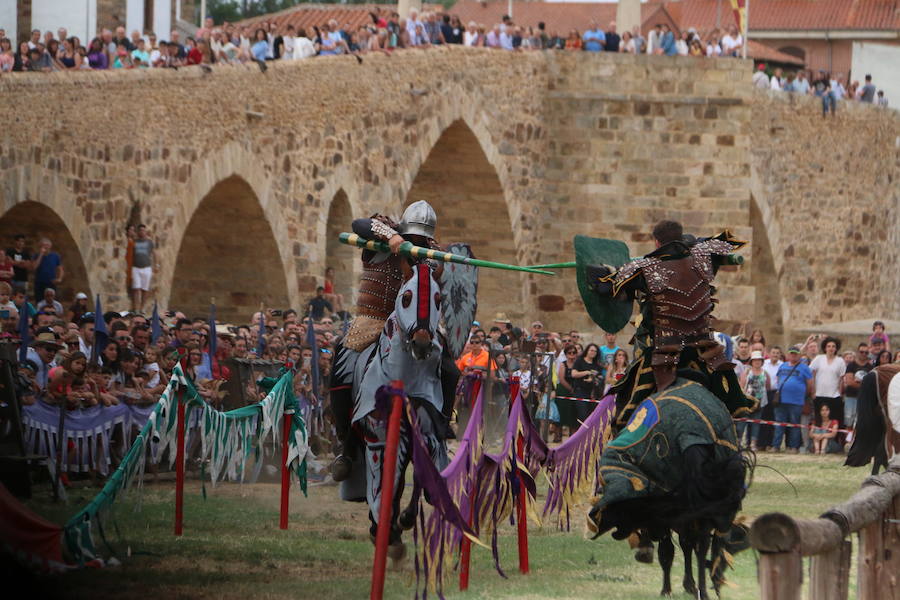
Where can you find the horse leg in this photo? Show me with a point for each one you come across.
(375, 449)
(407, 518)
(666, 554)
(644, 551)
(686, 541)
(701, 547)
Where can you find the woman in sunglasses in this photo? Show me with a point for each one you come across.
(565, 389)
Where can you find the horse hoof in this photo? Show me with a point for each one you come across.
(340, 468)
(397, 551)
(407, 519)
(644, 554)
(690, 588)
(666, 593)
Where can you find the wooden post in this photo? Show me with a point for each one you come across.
(465, 548)
(829, 573)
(780, 575)
(388, 473)
(869, 565)
(285, 471)
(521, 506)
(179, 465)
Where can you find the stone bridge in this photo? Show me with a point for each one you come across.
(245, 178)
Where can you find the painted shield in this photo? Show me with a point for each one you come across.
(459, 287)
(607, 312)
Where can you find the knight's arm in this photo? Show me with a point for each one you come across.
(719, 247)
(375, 228)
(622, 283)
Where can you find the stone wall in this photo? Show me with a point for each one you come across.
(248, 175)
(828, 197)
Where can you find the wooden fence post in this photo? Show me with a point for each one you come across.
(869, 566)
(780, 575)
(829, 573)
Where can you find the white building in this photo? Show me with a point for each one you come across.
(85, 18)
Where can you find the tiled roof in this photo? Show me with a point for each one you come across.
(558, 17)
(351, 16)
(797, 14)
(759, 51)
(681, 14)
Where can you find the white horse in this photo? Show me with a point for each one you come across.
(408, 349)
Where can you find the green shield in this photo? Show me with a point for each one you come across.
(607, 312)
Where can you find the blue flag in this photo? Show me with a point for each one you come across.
(101, 334)
(24, 331)
(261, 341)
(155, 329)
(314, 363)
(213, 341)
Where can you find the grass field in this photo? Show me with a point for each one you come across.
(232, 547)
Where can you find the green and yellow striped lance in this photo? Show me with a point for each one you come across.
(407, 248)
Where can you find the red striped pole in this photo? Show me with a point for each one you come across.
(388, 472)
(179, 466)
(285, 471)
(465, 549)
(521, 510)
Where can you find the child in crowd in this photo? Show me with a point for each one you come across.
(825, 429)
(66, 383)
(99, 379)
(5, 302)
(878, 332)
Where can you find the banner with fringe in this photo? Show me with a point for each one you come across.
(228, 439)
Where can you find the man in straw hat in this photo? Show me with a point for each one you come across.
(43, 352)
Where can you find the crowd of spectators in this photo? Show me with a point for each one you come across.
(811, 384)
(562, 375)
(234, 43)
(830, 87)
(385, 31)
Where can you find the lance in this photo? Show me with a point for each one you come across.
(407, 248)
(730, 259)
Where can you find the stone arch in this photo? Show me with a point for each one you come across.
(765, 276)
(36, 220)
(231, 161)
(229, 252)
(342, 258)
(466, 191)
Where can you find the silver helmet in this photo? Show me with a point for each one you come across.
(418, 219)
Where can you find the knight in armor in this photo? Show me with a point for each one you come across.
(673, 336)
(379, 285)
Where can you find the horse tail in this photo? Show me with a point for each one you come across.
(870, 426)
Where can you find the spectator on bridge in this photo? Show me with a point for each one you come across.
(613, 41)
(97, 56)
(868, 91)
(775, 82)
(732, 42)
(667, 42)
(594, 40)
(822, 87)
(573, 42)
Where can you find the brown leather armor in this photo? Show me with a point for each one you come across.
(378, 286)
(680, 296)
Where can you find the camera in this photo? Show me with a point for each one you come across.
(276, 313)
